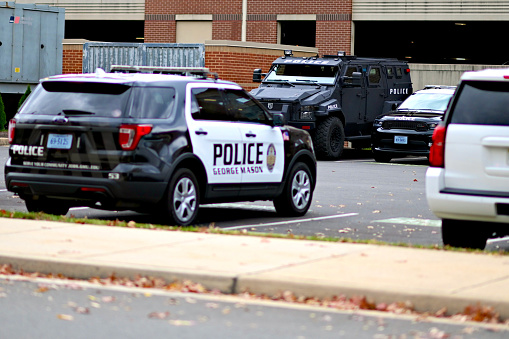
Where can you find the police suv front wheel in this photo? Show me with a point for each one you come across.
(183, 197)
(297, 194)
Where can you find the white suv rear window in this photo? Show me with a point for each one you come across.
(481, 103)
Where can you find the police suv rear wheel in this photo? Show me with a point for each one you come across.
(46, 205)
(183, 197)
(297, 194)
(330, 139)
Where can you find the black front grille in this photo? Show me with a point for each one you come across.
(273, 106)
(402, 124)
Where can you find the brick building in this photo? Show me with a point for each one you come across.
(326, 24)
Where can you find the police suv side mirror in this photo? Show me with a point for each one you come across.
(257, 75)
(278, 119)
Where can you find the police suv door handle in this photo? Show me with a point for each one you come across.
(250, 135)
(201, 132)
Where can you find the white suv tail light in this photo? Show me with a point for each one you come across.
(437, 151)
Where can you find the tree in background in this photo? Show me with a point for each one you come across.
(22, 100)
(3, 118)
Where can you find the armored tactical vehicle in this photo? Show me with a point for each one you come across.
(336, 98)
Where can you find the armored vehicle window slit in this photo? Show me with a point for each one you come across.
(390, 72)
(349, 73)
(374, 75)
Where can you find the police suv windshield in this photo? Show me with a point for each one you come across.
(303, 74)
(426, 101)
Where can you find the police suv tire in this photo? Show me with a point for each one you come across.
(46, 205)
(382, 157)
(330, 139)
(183, 197)
(297, 194)
(463, 233)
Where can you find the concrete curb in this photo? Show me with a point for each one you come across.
(79, 270)
(235, 284)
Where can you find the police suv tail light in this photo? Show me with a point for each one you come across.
(437, 151)
(12, 129)
(130, 135)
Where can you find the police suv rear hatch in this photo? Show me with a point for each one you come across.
(70, 125)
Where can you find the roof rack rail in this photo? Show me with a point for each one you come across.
(439, 87)
(200, 72)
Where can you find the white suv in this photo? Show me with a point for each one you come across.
(467, 184)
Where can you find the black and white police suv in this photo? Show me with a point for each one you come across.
(335, 97)
(408, 129)
(154, 142)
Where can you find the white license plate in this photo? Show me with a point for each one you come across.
(59, 141)
(398, 139)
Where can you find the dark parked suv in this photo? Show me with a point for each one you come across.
(154, 142)
(407, 130)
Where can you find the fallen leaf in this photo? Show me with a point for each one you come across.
(181, 322)
(376, 211)
(65, 317)
(82, 310)
(159, 315)
(108, 299)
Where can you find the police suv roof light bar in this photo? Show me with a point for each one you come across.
(202, 72)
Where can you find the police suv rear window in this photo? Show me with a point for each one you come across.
(75, 98)
(481, 103)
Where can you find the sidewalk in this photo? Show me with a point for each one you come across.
(430, 279)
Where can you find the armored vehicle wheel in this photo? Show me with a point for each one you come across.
(46, 205)
(330, 139)
(297, 194)
(183, 197)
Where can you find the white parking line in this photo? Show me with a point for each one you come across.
(3, 190)
(412, 221)
(292, 221)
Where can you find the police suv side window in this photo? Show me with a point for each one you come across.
(208, 104)
(243, 107)
(153, 102)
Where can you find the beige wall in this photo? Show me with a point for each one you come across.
(194, 32)
(429, 74)
(432, 10)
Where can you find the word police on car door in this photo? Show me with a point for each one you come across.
(232, 135)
